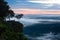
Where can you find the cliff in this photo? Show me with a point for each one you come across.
(11, 30)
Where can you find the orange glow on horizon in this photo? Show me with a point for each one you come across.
(35, 11)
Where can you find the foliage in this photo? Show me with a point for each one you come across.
(5, 9)
(9, 30)
(19, 16)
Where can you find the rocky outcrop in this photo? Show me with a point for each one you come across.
(11, 30)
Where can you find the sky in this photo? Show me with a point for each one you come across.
(35, 6)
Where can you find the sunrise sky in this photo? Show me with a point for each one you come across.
(35, 6)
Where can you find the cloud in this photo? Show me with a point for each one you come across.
(47, 36)
(35, 4)
(45, 1)
(31, 21)
(39, 0)
(48, 4)
(35, 11)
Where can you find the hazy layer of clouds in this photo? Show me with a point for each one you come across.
(45, 1)
(38, 0)
(31, 20)
(48, 36)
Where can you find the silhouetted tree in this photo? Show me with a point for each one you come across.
(19, 16)
(11, 14)
(4, 9)
(9, 30)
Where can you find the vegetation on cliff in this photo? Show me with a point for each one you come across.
(9, 30)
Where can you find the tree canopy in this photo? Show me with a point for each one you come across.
(9, 30)
(5, 9)
(19, 16)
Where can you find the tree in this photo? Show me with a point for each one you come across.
(5, 9)
(9, 30)
(11, 14)
(19, 16)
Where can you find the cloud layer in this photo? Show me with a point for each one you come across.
(46, 1)
(35, 11)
